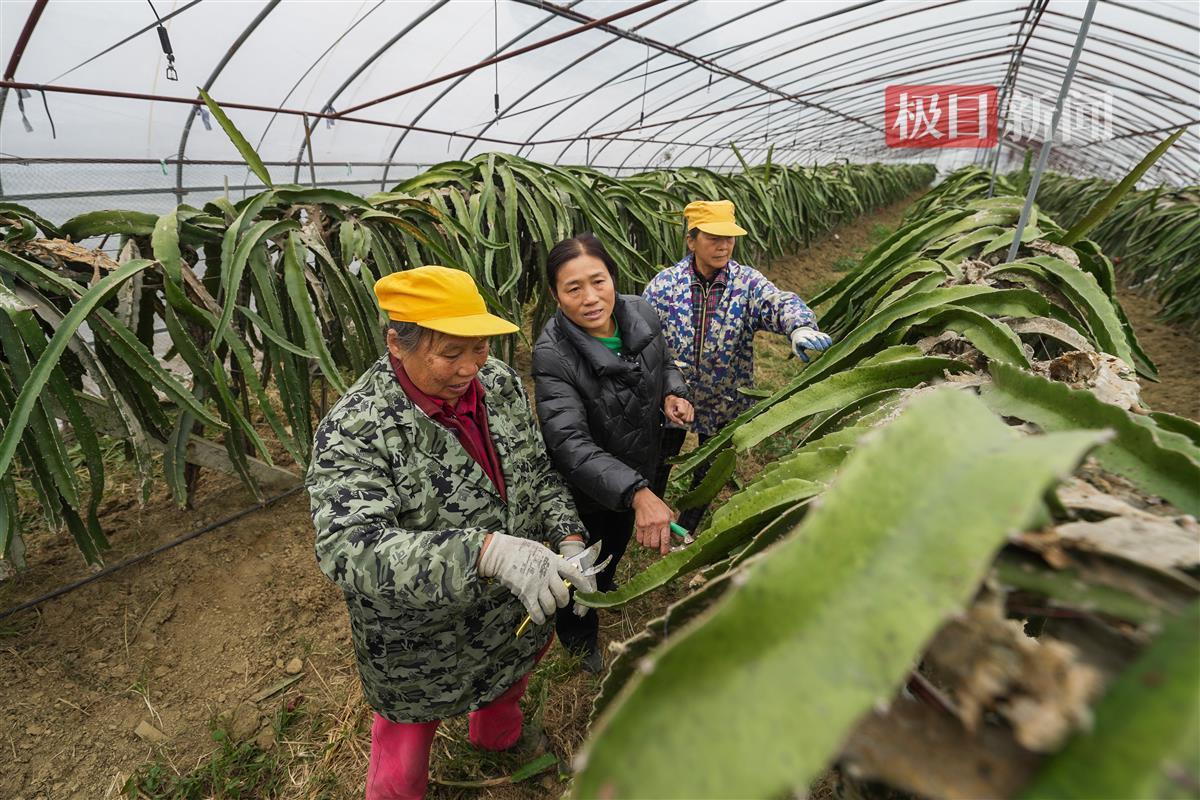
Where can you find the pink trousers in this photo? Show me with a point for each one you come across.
(399, 765)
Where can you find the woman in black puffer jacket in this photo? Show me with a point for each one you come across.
(604, 381)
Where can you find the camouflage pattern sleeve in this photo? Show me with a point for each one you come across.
(559, 517)
(775, 310)
(355, 505)
(653, 296)
(673, 382)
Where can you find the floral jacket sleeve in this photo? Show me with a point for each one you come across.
(748, 304)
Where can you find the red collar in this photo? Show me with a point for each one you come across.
(435, 407)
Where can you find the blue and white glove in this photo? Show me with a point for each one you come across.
(809, 339)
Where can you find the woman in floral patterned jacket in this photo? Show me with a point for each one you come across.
(711, 307)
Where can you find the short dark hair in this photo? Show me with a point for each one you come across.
(409, 335)
(583, 244)
(693, 233)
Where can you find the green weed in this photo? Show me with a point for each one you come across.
(235, 770)
(879, 232)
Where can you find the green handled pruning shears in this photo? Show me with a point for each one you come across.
(681, 532)
(577, 560)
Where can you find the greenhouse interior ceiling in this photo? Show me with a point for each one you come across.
(99, 103)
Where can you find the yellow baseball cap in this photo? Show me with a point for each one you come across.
(715, 217)
(441, 299)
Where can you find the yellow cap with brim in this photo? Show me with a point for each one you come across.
(441, 299)
(714, 217)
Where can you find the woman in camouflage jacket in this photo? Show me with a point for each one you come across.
(403, 514)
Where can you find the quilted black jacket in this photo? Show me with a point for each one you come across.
(601, 414)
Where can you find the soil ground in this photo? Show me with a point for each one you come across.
(208, 635)
(1175, 352)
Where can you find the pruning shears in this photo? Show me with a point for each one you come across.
(681, 532)
(577, 560)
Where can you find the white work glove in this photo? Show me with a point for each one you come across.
(809, 339)
(532, 572)
(569, 548)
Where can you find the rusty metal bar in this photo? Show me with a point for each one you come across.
(505, 114)
(505, 57)
(715, 68)
(874, 20)
(14, 61)
(31, 22)
(875, 53)
(191, 101)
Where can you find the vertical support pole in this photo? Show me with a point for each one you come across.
(982, 155)
(1004, 99)
(1002, 124)
(1046, 145)
(996, 156)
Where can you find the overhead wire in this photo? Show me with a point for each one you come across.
(564, 99)
(700, 62)
(852, 60)
(451, 86)
(126, 40)
(504, 57)
(811, 40)
(1154, 95)
(1141, 8)
(496, 47)
(300, 80)
(768, 103)
(259, 18)
(349, 29)
(632, 69)
(535, 88)
(164, 39)
(724, 131)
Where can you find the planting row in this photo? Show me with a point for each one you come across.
(262, 298)
(1152, 235)
(973, 574)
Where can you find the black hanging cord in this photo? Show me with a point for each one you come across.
(46, 105)
(165, 41)
(645, 83)
(496, 49)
